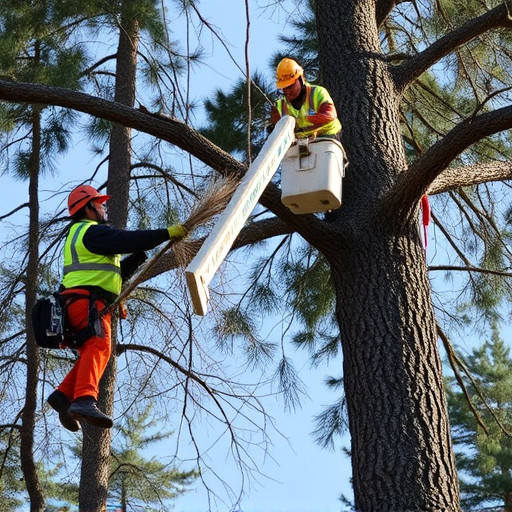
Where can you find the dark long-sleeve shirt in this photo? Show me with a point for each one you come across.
(106, 240)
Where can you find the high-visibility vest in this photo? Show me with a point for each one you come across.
(85, 268)
(315, 96)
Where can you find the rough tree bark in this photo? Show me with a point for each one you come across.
(401, 448)
(28, 466)
(96, 445)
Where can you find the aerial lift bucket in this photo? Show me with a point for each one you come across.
(311, 175)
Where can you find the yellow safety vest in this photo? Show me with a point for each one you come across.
(315, 96)
(85, 268)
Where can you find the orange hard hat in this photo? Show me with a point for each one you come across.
(287, 72)
(81, 195)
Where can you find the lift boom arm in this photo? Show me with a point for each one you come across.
(216, 246)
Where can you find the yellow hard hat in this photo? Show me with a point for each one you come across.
(287, 72)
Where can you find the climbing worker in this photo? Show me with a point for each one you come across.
(311, 105)
(92, 279)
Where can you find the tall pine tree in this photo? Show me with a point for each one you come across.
(482, 432)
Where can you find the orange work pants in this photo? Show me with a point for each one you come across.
(84, 377)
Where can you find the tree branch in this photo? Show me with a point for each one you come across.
(414, 182)
(252, 233)
(12, 212)
(455, 177)
(456, 363)
(451, 241)
(384, 7)
(451, 268)
(412, 68)
(163, 127)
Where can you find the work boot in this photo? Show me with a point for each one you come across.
(60, 403)
(84, 408)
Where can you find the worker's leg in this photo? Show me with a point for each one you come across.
(77, 316)
(84, 377)
(94, 356)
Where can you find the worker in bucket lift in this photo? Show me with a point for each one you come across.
(310, 105)
(92, 279)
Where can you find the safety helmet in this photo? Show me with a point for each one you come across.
(287, 72)
(81, 195)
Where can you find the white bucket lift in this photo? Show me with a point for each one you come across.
(311, 182)
(311, 175)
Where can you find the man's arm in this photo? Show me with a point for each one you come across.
(326, 113)
(130, 264)
(105, 240)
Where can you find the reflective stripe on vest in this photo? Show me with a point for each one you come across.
(309, 107)
(85, 268)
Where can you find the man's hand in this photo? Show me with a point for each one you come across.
(177, 232)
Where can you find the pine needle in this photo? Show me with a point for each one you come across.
(212, 203)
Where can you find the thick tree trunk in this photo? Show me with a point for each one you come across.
(401, 449)
(34, 489)
(96, 445)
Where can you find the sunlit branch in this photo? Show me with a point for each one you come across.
(462, 176)
(414, 182)
(470, 269)
(168, 129)
(412, 68)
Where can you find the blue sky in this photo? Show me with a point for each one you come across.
(301, 476)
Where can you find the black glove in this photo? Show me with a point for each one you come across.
(131, 263)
